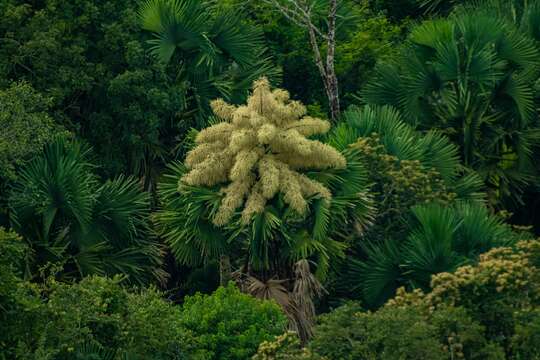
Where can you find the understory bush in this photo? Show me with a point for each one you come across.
(98, 318)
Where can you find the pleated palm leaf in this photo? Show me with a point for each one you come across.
(209, 48)
(184, 219)
(514, 9)
(432, 149)
(471, 76)
(69, 218)
(439, 240)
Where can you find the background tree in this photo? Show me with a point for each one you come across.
(88, 59)
(26, 127)
(302, 13)
(364, 35)
(208, 48)
(479, 91)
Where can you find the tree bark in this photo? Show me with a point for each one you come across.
(300, 14)
(331, 77)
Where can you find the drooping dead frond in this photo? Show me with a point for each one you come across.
(297, 304)
(306, 288)
(258, 150)
(271, 289)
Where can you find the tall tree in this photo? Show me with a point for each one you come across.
(256, 189)
(301, 13)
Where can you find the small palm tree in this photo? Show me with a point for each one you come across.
(439, 240)
(472, 77)
(209, 49)
(70, 218)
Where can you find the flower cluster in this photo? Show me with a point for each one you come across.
(258, 151)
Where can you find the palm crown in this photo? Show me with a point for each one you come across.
(210, 49)
(70, 218)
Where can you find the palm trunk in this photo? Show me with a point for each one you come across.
(224, 270)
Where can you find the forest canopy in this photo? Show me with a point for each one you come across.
(269, 179)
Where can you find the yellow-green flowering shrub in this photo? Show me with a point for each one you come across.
(490, 310)
(501, 292)
(398, 185)
(284, 347)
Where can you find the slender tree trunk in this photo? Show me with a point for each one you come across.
(299, 12)
(327, 71)
(224, 270)
(331, 77)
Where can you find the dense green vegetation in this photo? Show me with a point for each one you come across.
(274, 179)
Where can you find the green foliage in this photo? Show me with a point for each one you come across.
(18, 300)
(406, 167)
(482, 311)
(97, 318)
(488, 292)
(98, 313)
(348, 333)
(210, 48)
(229, 324)
(472, 77)
(71, 219)
(401, 333)
(284, 347)
(439, 239)
(398, 9)
(89, 59)
(364, 36)
(26, 127)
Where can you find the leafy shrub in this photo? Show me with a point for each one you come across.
(391, 333)
(99, 318)
(229, 324)
(484, 311)
(98, 315)
(284, 347)
(501, 292)
(18, 300)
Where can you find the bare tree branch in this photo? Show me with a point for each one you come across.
(299, 12)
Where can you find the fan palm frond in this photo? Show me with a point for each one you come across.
(69, 218)
(213, 50)
(439, 240)
(184, 220)
(470, 76)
